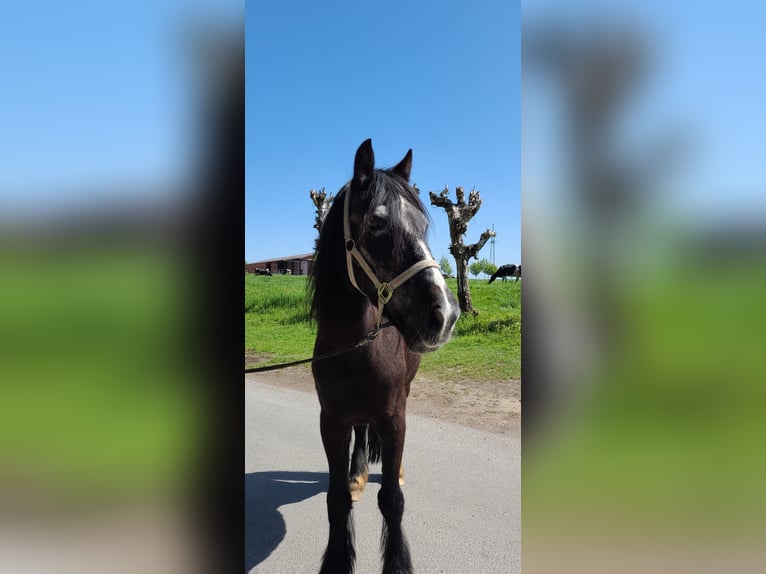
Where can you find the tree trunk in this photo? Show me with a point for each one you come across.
(463, 291)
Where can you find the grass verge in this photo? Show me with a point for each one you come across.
(483, 347)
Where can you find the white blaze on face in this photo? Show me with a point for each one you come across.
(432, 274)
(411, 215)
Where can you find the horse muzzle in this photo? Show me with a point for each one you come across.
(436, 329)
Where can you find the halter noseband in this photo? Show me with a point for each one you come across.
(385, 289)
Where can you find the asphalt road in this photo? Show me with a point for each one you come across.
(462, 493)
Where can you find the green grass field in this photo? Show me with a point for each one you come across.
(670, 433)
(484, 347)
(95, 397)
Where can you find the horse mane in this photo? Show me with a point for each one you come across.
(329, 270)
(325, 269)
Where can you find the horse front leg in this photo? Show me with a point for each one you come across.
(359, 472)
(340, 554)
(396, 552)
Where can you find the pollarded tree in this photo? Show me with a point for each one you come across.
(322, 205)
(458, 215)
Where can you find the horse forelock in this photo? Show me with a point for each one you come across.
(390, 194)
(405, 190)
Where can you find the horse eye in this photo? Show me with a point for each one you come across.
(376, 222)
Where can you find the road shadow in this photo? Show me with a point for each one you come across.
(265, 492)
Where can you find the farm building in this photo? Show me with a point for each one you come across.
(291, 265)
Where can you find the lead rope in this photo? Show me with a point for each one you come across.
(368, 338)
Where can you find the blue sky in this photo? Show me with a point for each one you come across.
(705, 84)
(441, 78)
(96, 101)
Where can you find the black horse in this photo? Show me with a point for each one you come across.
(509, 270)
(372, 262)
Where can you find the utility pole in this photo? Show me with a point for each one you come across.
(492, 246)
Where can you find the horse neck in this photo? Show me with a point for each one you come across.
(351, 315)
(343, 301)
(342, 306)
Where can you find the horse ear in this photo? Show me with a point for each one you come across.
(402, 168)
(364, 162)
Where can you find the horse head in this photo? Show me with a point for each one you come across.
(388, 259)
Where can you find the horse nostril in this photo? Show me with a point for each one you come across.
(436, 320)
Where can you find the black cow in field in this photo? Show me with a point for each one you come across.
(508, 270)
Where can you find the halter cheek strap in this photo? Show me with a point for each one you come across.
(385, 289)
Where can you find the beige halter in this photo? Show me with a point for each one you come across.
(385, 289)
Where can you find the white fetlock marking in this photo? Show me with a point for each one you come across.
(356, 487)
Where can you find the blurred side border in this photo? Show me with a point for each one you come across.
(121, 336)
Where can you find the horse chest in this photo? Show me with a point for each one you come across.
(361, 399)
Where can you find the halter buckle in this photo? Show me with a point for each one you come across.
(350, 245)
(372, 335)
(385, 293)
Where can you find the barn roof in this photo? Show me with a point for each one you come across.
(303, 257)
